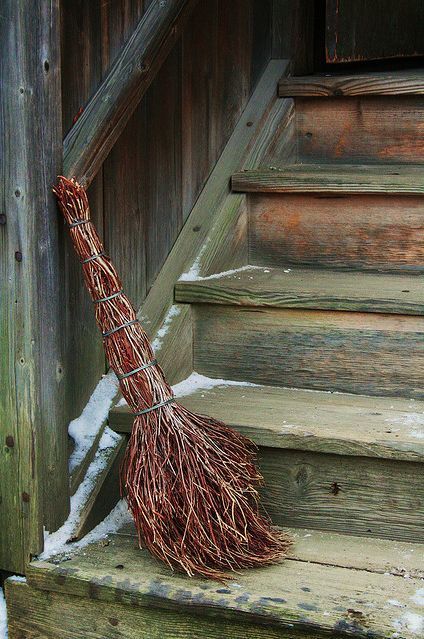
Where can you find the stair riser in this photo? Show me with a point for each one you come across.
(371, 129)
(370, 354)
(357, 495)
(361, 232)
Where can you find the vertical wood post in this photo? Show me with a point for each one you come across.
(293, 33)
(34, 486)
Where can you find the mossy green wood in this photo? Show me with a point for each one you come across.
(295, 595)
(405, 82)
(308, 288)
(34, 488)
(355, 352)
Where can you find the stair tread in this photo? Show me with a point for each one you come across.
(334, 423)
(300, 593)
(409, 82)
(308, 288)
(332, 178)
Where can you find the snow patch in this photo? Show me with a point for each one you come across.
(85, 428)
(3, 616)
(395, 602)
(173, 312)
(194, 272)
(17, 578)
(195, 382)
(418, 597)
(57, 542)
(193, 275)
(409, 621)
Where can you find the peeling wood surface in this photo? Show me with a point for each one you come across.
(364, 232)
(304, 596)
(327, 178)
(371, 354)
(334, 85)
(324, 422)
(361, 130)
(307, 288)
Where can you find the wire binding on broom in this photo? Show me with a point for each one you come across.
(190, 481)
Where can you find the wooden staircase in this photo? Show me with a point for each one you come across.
(320, 311)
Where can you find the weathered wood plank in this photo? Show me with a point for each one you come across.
(361, 130)
(34, 613)
(406, 82)
(322, 422)
(105, 116)
(371, 354)
(347, 551)
(307, 288)
(366, 232)
(81, 74)
(293, 596)
(293, 33)
(173, 344)
(244, 147)
(355, 495)
(326, 178)
(33, 411)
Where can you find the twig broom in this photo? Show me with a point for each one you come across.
(189, 480)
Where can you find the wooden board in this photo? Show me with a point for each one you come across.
(354, 495)
(307, 288)
(363, 232)
(293, 596)
(335, 549)
(360, 130)
(33, 369)
(360, 30)
(371, 354)
(35, 613)
(333, 423)
(326, 178)
(403, 82)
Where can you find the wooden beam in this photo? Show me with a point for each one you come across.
(104, 118)
(34, 484)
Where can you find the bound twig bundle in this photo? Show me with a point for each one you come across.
(189, 480)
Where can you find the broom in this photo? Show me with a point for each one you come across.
(190, 481)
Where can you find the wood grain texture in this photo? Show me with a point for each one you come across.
(81, 73)
(293, 33)
(33, 411)
(362, 31)
(370, 354)
(244, 147)
(326, 178)
(405, 82)
(34, 613)
(108, 111)
(307, 288)
(362, 232)
(293, 596)
(360, 130)
(321, 422)
(355, 495)
(347, 551)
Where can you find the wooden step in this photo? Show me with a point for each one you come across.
(362, 232)
(332, 179)
(354, 352)
(410, 82)
(308, 288)
(330, 461)
(332, 585)
(364, 130)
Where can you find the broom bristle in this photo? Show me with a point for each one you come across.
(190, 481)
